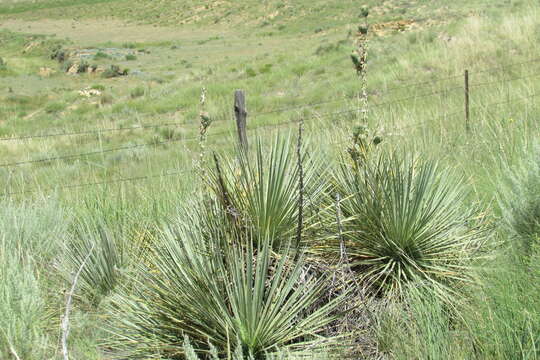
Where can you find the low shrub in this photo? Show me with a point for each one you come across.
(519, 199)
(54, 107)
(101, 55)
(250, 72)
(223, 294)
(114, 71)
(137, 92)
(131, 57)
(405, 221)
(59, 54)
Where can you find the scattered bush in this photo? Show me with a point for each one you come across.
(131, 57)
(265, 69)
(54, 107)
(98, 87)
(250, 72)
(83, 67)
(3, 64)
(101, 55)
(137, 92)
(59, 54)
(114, 71)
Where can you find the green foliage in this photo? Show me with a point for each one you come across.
(59, 54)
(108, 255)
(328, 48)
(420, 327)
(250, 72)
(31, 237)
(260, 191)
(114, 71)
(101, 55)
(265, 69)
(364, 13)
(3, 64)
(55, 107)
(505, 317)
(83, 67)
(202, 282)
(98, 87)
(520, 201)
(137, 92)
(405, 221)
(363, 29)
(131, 57)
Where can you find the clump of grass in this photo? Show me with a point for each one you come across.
(55, 107)
(101, 55)
(504, 316)
(137, 92)
(106, 99)
(3, 64)
(98, 87)
(131, 57)
(265, 69)
(520, 202)
(250, 72)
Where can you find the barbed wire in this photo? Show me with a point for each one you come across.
(90, 132)
(294, 107)
(400, 128)
(105, 182)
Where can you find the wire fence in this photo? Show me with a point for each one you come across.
(311, 105)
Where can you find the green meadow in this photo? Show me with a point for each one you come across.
(368, 218)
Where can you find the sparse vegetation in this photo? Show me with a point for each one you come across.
(114, 71)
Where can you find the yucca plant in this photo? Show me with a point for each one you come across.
(108, 255)
(405, 220)
(222, 291)
(260, 191)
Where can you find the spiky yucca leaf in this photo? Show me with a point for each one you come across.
(405, 221)
(259, 190)
(220, 291)
(108, 257)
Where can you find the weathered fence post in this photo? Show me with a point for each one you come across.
(467, 109)
(240, 114)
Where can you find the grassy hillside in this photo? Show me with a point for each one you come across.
(124, 152)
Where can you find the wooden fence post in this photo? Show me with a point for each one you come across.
(467, 109)
(240, 114)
